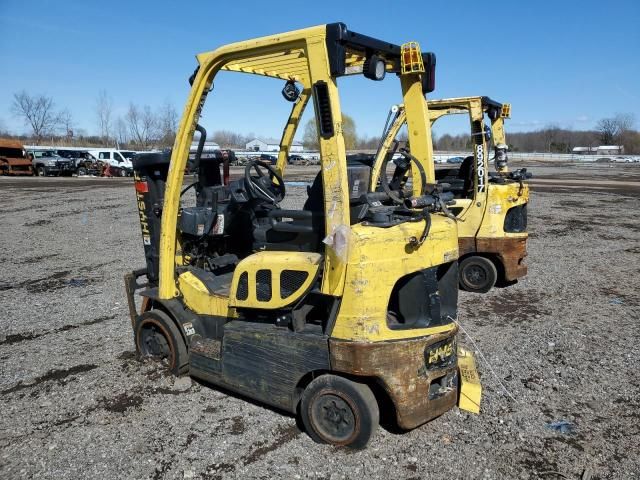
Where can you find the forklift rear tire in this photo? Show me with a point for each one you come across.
(338, 411)
(477, 274)
(158, 337)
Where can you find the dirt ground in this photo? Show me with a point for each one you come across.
(563, 345)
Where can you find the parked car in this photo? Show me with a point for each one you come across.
(48, 162)
(455, 160)
(604, 160)
(297, 160)
(268, 158)
(624, 159)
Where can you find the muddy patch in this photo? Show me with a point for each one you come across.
(575, 225)
(37, 259)
(217, 471)
(59, 376)
(67, 213)
(38, 223)
(510, 307)
(22, 337)
(618, 298)
(121, 403)
(283, 436)
(55, 281)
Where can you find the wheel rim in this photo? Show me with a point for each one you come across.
(153, 343)
(333, 418)
(475, 276)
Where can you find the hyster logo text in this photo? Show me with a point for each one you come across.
(480, 167)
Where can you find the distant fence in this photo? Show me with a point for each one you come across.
(439, 157)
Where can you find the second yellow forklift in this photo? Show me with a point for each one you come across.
(490, 204)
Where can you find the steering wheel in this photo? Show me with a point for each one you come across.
(262, 186)
(384, 181)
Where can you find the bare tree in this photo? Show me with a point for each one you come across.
(167, 124)
(227, 138)
(37, 111)
(608, 130)
(122, 135)
(310, 137)
(65, 120)
(104, 110)
(614, 130)
(142, 125)
(3, 128)
(349, 132)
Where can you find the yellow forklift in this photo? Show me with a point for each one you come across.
(491, 206)
(334, 312)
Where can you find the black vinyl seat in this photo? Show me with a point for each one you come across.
(304, 232)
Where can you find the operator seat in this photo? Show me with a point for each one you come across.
(466, 174)
(304, 232)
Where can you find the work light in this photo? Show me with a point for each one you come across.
(374, 68)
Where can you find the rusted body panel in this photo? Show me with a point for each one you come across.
(401, 366)
(466, 245)
(13, 164)
(510, 250)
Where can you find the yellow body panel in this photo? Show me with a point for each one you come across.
(275, 263)
(196, 296)
(371, 276)
(500, 199)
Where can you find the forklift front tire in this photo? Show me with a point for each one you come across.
(158, 337)
(338, 411)
(477, 274)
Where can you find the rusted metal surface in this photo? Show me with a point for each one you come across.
(511, 251)
(401, 366)
(12, 163)
(466, 245)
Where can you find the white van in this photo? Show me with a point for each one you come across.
(113, 157)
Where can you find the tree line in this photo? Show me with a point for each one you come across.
(143, 127)
(616, 130)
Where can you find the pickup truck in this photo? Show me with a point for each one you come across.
(48, 162)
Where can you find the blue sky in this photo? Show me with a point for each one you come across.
(563, 62)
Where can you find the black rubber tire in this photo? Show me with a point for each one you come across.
(41, 171)
(151, 328)
(477, 274)
(351, 404)
(81, 171)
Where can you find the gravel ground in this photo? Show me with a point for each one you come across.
(561, 345)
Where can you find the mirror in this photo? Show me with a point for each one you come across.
(290, 92)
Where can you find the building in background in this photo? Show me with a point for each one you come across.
(271, 145)
(610, 150)
(601, 150)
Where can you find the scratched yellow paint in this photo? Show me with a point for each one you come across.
(378, 258)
